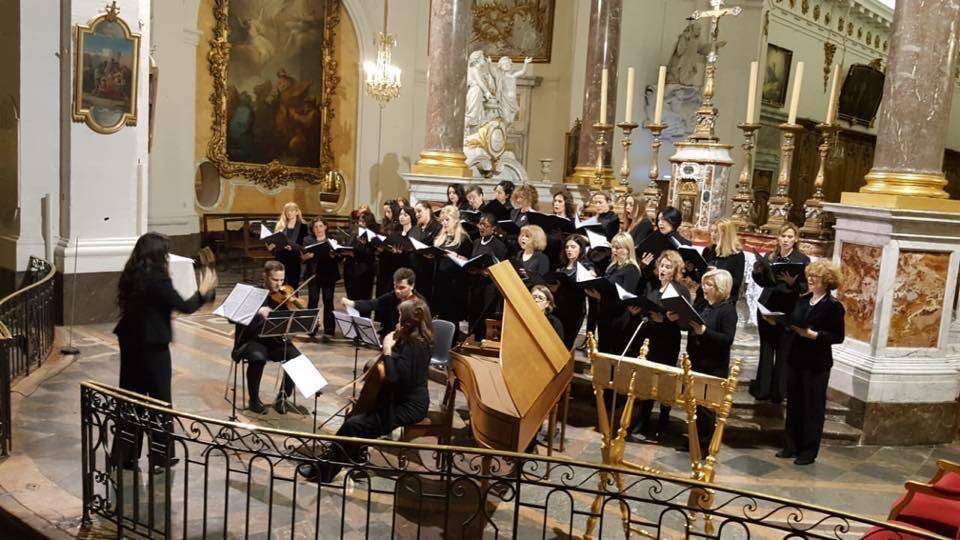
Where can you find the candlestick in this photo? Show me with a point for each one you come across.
(795, 97)
(651, 193)
(834, 91)
(661, 83)
(601, 128)
(816, 224)
(629, 113)
(603, 97)
(780, 205)
(752, 95)
(625, 141)
(743, 212)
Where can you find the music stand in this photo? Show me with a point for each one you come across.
(285, 324)
(363, 331)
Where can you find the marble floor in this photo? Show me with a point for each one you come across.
(41, 481)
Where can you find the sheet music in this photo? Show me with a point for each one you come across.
(417, 244)
(333, 243)
(585, 223)
(583, 274)
(264, 231)
(455, 258)
(305, 375)
(345, 323)
(320, 243)
(597, 240)
(623, 293)
(242, 303)
(352, 311)
(669, 292)
(764, 311)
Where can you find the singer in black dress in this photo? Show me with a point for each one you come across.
(544, 298)
(394, 252)
(403, 400)
(780, 293)
(724, 253)
(456, 196)
(503, 193)
(570, 299)
(530, 261)
(326, 271)
(361, 266)
(484, 301)
(563, 206)
(426, 229)
(664, 335)
(817, 325)
(708, 345)
(638, 221)
(450, 294)
(613, 321)
(146, 298)
(475, 202)
(603, 205)
(668, 224)
(291, 224)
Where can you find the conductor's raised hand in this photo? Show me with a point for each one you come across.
(208, 281)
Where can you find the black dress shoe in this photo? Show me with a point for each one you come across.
(161, 466)
(637, 437)
(786, 454)
(804, 461)
(257, 407)
(280, 405)
(308, 471)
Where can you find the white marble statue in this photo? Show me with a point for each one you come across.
(481, 90)
(507, 87)
(689, 58)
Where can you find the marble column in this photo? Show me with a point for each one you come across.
(915, 111)
(603, 51)
(446, 90)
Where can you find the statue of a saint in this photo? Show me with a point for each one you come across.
(507, 87)
(481, 88)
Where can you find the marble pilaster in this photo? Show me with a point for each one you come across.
(446, 90)
(603, 51)
(915, 111)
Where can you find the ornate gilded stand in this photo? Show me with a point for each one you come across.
(743, 212)
(637, 378)
(780, 205)
(816, 224)
(651, 193)
(603, 130)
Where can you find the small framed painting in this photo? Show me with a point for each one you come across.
(777, 76)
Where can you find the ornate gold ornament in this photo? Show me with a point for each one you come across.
(273, 174)
(829, 49)
(850, 29)
(876, 41)
(859, 33)
(884, 45)
(105, 95)
(804, 6)
(840, 25)
(816, 13)
(826, 18)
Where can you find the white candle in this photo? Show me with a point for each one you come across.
(629, 115)
(661, 82)
(834, 91)
(795, 98)
(752, 94)
(603, 97)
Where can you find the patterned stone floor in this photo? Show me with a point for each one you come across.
(41, 481)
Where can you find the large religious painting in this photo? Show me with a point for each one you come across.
(514, 28)
(107, 58)
(274, 75)
(777, 76)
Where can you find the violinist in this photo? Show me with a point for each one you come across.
(403, 399)
(256, 350)
(385, 305)
(291, 224)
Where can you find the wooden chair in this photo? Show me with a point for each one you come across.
(438, 423)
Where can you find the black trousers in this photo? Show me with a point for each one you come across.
(806, 408)
(146, 370)
(771, 381)
(324, 292)
(257, 354)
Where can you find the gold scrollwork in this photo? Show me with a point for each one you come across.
(829, 49)
(816, 13)
(804, 6)
(273, 174)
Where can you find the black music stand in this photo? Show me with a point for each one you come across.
(285, 324)
(362, 331)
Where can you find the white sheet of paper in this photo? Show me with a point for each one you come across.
(597, 240)
(344, 322)
(417, 244)
(242, 303)
(453, 257)
(623, 293)
(585, 223)
(264, 231)
(334, 244)
(670, 291)
(583, 274)
(305, 375)
(764, 311)
(352, 311)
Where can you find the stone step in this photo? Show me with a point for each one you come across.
(745, 406)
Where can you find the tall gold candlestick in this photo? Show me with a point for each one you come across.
(651, 193)
(815, 223)
(602, 129)
(780, 205)
(743, 212)
(627, 128)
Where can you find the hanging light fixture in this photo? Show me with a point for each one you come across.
(383, 78)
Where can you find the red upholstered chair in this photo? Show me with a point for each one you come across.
(933, 506)
(883, 533)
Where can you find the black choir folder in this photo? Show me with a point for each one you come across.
(694, 256)
(656, 243)
(480, 262)
(498, 210)
(793, 269)
(672, 301)
(630, 299)
(550, 223)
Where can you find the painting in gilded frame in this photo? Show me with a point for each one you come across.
(107, 69)
(777, 76)
(274, 75)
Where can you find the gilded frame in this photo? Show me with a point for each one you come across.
(88, 106)
(273, 174)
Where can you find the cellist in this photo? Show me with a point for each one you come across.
(256, 350)
(402, 398)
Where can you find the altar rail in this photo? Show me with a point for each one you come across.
(238, 480)
(29, 315)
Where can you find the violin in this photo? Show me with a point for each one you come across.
(286, 297)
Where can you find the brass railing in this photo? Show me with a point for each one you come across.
(27, 317)
(237, 480)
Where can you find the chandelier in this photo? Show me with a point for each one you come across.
(383, 78)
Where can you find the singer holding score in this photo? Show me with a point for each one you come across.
(146, 298)
(291, 224)
(613, 322)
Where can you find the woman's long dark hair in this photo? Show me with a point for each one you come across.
(416, 324)
(150, 257)
(581, 241)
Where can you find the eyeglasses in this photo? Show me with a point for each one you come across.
(539, 298)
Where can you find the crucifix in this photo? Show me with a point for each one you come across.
(707, 113)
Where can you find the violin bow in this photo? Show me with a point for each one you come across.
(295, 291)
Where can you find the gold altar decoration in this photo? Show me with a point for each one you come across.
(651, 193)
(108, 55)
(278, 168)
(815, 223)
(744, 214)
(599, 171)
(621, 191)
(382, 77)
(780, 204)
(640, 379)
(707, 113)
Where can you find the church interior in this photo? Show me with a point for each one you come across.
(472, 246)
